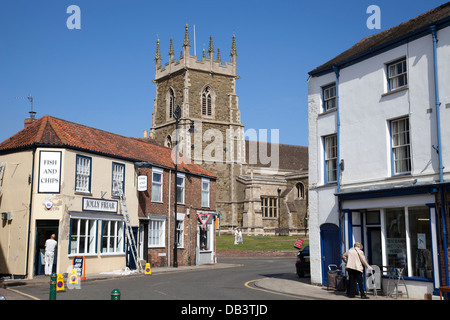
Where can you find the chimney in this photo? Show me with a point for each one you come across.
(28, 121)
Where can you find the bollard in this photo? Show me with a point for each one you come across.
(52, 287)
(115, 294)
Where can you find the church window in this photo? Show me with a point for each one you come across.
(269, 207)
(207, 102)
(300, 190)
(171, 102)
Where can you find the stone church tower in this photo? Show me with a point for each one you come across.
(205, 89)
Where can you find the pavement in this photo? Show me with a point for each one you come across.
(282, 284)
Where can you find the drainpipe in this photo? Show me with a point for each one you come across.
(338, 124)
(438, 104)
(30, 210)
(441, 168)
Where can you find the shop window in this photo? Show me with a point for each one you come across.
(112, 237)
(83, 236)
(396, 238)
(419, 228)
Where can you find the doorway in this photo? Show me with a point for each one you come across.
(44, 229)
(374, 246)
(329, 238)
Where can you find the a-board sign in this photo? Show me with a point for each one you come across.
(79, 264)
(298, 243)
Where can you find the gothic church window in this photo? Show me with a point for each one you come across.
(207, 101)
(171, 103)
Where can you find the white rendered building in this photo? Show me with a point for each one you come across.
(379, 157)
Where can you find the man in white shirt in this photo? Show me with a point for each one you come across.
(50, 246)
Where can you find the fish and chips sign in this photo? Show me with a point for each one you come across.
(99, 205)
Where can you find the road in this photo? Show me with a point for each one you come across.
(235, 283)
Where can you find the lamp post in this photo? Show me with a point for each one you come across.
(279, 213)
(177, 116)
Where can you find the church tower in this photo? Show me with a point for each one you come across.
(210, 132)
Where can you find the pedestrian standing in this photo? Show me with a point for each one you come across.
(236, 235)
(355, 262)
(240, 236)
(50, 246)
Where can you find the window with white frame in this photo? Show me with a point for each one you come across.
(330, 158)
(112, 236)
(329, 97)
(205, 193)
(83, 236)
(157, 185)
(180, 231)
(118, 179)
(401, 148)
(397, 75)
(269, 207)
(156, 233)
(83, 174)
(180, 188)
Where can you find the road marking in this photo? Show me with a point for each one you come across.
(24, 294)
(273, 292)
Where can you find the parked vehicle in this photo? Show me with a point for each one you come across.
(303, 265)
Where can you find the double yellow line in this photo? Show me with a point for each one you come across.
(247, 284)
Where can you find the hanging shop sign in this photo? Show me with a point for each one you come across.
(49, 171)
(142, 183)
(204, 217)
(100, 205)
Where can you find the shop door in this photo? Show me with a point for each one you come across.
(374, 246)
(329, 235)
(130, 260)
(44, 229)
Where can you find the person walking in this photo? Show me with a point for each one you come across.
(240, 239)
(50, 246)
(355, 262)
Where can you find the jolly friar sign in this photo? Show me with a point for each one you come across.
(100, 205)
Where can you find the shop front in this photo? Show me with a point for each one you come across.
(398, 233)
(206, 253)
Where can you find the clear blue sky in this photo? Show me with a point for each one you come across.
(101, 75)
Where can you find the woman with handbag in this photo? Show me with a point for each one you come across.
(355, 262)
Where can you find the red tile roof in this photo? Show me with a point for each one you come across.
(53, 132)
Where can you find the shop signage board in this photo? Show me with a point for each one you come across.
(80, 266)
(142, 183)
(49, 171)
(298, 244)
(99, 205)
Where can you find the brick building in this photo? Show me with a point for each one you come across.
(63, 178)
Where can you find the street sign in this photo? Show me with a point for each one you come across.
(203, 217)
(298, 243)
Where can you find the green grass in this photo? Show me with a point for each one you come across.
(277, 243)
